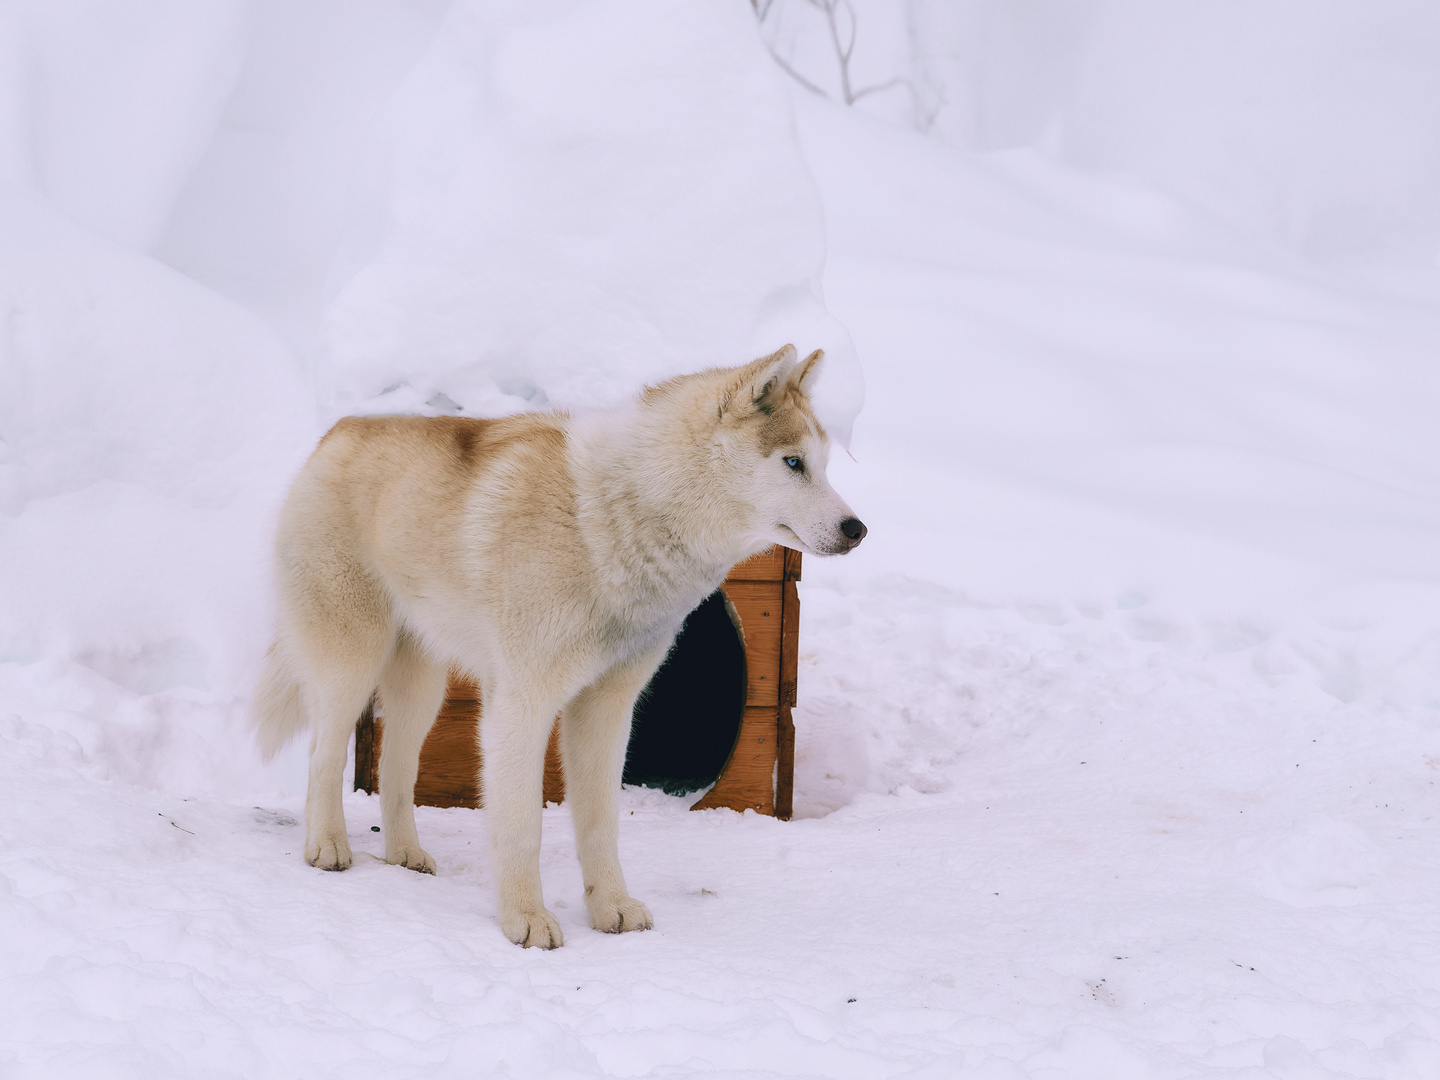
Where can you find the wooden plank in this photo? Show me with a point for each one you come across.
(450, 762)
(789, 674)
(789, 644)
(759, 605)
(792, 564)
(450, 757)
(554, 789)
(748, 780)
(785, 765)
(769, 565)
(367, 751)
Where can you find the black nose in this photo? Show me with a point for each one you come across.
(854, 530)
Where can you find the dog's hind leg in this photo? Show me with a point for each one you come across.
(412, 689)
(340, 640)
(595, 731)
(336, 705)
(514, 732)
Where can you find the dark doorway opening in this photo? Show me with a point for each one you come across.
(686, 722)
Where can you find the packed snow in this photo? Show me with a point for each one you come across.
(1118, 739)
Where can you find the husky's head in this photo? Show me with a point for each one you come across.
(777, 452)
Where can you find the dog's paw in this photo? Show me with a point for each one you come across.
(619, 915)
(533, 929)
(412, 858)
(329, 852)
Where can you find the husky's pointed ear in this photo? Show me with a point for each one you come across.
(760, 385)
(803, 377)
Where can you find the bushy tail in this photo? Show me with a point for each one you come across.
(278, 713)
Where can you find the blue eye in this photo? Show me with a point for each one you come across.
(795, 464)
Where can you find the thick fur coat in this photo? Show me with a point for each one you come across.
(552, 558)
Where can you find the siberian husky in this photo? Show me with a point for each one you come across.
(553, 558)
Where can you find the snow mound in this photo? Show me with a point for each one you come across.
(563, 202)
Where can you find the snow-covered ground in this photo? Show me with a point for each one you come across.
(1118, 738)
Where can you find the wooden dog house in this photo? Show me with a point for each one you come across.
(717, 710)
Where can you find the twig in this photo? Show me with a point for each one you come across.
(897, 81)
(795, 74)
(844, 46)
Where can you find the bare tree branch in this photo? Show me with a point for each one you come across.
(834, 11)
(886, 85)
(835, 7)
(841, 54)
(795, 74)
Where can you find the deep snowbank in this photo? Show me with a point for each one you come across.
(565, 202)
(147, 425)
(1100, 449)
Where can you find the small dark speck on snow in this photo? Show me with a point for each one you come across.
(374, 828)
(849, 1001)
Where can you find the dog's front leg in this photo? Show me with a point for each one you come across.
(595, 731)
(513, 736)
